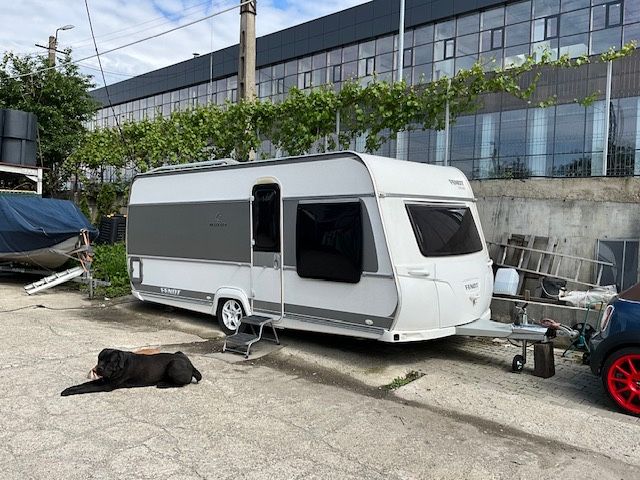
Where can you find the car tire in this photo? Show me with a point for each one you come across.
(621, 379)
(229, 313)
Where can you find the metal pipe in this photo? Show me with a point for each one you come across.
(607, 103)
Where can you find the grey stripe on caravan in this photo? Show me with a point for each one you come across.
(329, 322)
(178, 294)
(324, 314)
(427, 197)
(304, 199)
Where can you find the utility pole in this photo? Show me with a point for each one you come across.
(247, 60)
(53, 44)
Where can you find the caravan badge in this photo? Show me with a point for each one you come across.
(170, 291)
(218, 222)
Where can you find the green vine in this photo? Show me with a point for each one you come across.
(305, 121)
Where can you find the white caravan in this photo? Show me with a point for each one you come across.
(342, 243)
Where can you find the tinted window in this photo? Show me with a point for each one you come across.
(329, 241)
(266, 218)
(444, 230)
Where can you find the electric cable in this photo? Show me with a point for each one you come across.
(179, 27)
(45, 307)
(106, 88)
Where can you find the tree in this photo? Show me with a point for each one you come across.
(58, 97)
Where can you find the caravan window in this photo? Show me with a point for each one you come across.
(444, 230)
(329, 241)
(266, 218)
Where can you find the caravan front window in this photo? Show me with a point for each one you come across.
(444, 230)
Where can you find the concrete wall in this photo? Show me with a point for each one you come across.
(578, 211)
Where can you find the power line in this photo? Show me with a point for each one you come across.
(104, 80)
(108, 37)
(138, 41)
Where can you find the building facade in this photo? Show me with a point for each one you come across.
(505, 138)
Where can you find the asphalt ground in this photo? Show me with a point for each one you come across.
(317, 406)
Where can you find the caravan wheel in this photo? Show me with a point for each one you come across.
(229, 313)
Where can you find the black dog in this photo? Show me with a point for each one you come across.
(119, 369)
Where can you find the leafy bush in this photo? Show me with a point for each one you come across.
(110, 263)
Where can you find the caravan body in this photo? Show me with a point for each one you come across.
(341, 243)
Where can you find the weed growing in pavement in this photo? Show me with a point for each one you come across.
(402, 381)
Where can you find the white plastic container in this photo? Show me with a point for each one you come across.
(506, 281)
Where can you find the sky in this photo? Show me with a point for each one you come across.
(118, 22)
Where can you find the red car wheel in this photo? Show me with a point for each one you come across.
(621, 378)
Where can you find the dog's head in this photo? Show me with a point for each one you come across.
(110, 363)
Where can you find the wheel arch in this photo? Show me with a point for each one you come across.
(234, 293)
(613, 344)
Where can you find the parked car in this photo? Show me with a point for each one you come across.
(615, 350)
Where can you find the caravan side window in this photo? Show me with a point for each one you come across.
(444, 230)
(329, 241)
(266, 218)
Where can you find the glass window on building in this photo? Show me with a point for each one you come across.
(442, 69)
(467, 45)
(468, 24)
(518, 12)
(575, 45)
(304, 65)
(544, 8)
(334, 57)
(631, 11)
(350, 53)
(319, 60)
(337, 73)
(465, 63)
(384, 63)
(602, 40)
(493, 18)
(569, 5)
(574, 22)
(517, 34)
(349, 70)
(422, 73)
(407, 57)
(606, 15)
(444, 30)
(366, 49)
(424, 54)
(631, 33)
(423, 35)
(384, 44)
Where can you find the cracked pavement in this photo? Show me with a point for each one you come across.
(311, 409)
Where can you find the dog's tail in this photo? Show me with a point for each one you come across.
(196, 374)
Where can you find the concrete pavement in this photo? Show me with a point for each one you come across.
(313, 408)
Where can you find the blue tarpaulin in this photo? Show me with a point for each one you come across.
(30, 223)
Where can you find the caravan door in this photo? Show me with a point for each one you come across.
(266, 255)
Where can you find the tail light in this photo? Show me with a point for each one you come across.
(606, 317)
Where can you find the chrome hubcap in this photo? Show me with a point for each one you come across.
(231, 314)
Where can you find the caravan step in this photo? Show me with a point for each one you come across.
(241, 339)
(257, 320)
(53, 280)
(242, 342)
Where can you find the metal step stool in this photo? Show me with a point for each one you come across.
(242, 342)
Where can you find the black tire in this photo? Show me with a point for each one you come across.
(622, 385)
(517, 365)
(224, 314)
